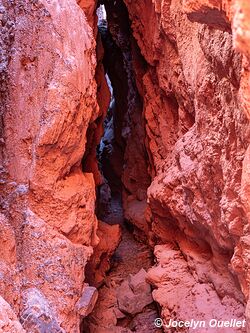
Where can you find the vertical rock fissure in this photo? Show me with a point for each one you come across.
(125, 301)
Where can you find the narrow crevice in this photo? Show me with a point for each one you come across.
(123, 165)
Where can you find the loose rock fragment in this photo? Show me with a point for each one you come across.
(87, 301)
(134, 294)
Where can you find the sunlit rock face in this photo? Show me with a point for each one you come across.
(241, 37)
(49, 100)
(195, 90)
(180, 75)
(9, 321)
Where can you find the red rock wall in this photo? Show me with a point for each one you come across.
(241, 29)
(48, 226)
(194, 93)
(194, 89)
(129, 121)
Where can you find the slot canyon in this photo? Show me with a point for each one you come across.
(124, 166)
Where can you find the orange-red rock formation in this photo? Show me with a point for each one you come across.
(8, 319)
(194, 93)
(181, 80)
(49, 227)
(99, 264)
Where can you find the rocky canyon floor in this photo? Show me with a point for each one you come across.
(121, 308)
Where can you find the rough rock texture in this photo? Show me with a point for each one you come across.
(99, 264)
(8, 319)
(194, 93)
(37, 315)
(180, 73)
(129, 257)
(134, 294)
(129, 126)
(241, 35)
(177, 284)
(86, 303)
(48, 92)
(96, 128)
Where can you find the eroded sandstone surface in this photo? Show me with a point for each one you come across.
(48, 226)
(178, 153)
(197, 134)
